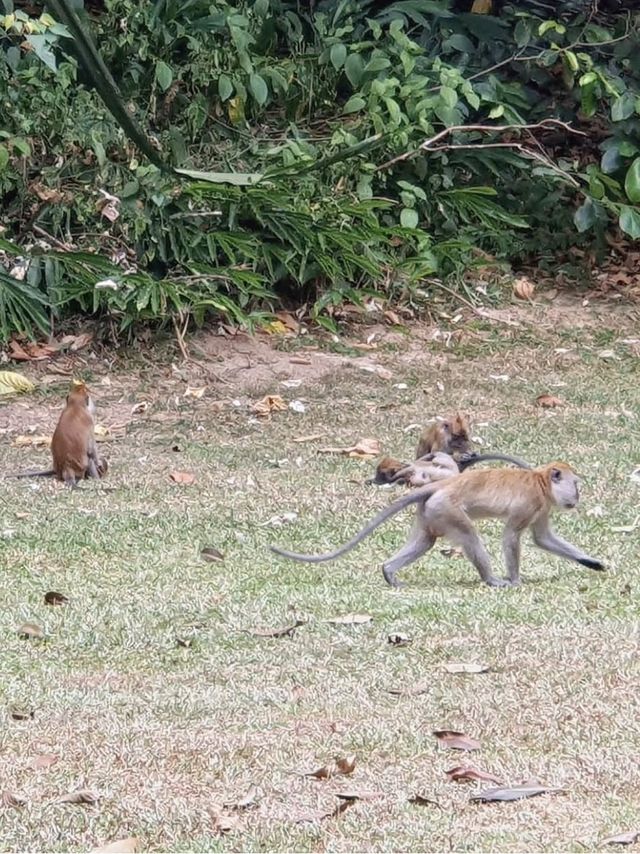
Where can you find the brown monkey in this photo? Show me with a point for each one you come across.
(429, 469)
(450, 436)
(522, 498)
(73, 446)
(387, 471)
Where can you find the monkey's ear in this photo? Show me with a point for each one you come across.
(556, 475)
(446, 426)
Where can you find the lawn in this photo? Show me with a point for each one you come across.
(150, 689)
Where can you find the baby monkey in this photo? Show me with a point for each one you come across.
(522, 498)
(73, 445)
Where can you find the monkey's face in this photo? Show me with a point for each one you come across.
(456, 431)
(565, 487)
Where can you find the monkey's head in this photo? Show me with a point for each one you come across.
(456, 432)
(79, 396)
(386, 470)
(564, 485)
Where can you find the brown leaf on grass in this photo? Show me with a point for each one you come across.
(466, 667)
(21, 713)
(80, 796)
(341, 766)
(211, 554)
(513, 793)
(349, 620)
(628, 838)
(197, 393)
(284, 631)
(120, 846)
(398, 639)
(31, 631)
(30, 352)
(455, 740)
(31, 441)
(55, 598)
(186, 643)
(77, 342)
(288, 320)
(312, 816)
(42, 761)
(411, 690)
(224, 823)
(548, 401)
(467, 773)
(523, 288)
(185, 478)
(312, 437)
(423, 801)
(364, 449)
(358, 794)
(268, 404)
(300, 360)
(248, 801)
(139, 408)
(9, 799)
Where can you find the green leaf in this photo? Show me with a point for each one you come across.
(354, 104)
(611, 160)
(545, 26)
(460, 42)
(522, 33)
(261, 7)
(238, 179)
(338, 55)
(225, 87)
(623, 107)
(496, 112)
(632, 182)
(354, 69)
(377, 63)
(4, 158)
(41, 45)
(409, 218)
(258, 89)
(21, 145)
(629, 222)
(449, 96)
(627, 148)
(394, 110)
(164, 75)
(585, 216)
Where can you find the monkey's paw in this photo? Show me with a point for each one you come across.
(493, 581)
(591, 563)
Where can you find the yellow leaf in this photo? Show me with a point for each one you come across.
(482, 7)
(10, 383)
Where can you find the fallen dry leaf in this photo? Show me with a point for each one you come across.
(451, 551)
(466, 667)
(312, 816)
(626, 529)
(313, 437)
(398, 639)
(21, 713)
(523, 288)
(455, 740)
(628, 838)
(139, 408)
(211, 554)
(31, 441)
(411, 690)
(197, 393)
(512, 793)
(300, 360)
(343, 765)
(80, 796)
(288, 320)
(77, 342)
(224, 823)
(28, 631)
(247, 802)
(31, 351)
(42, 761)
(9, 799)
(120, 846)
(350, 620)
(423, 801)
(358, 794)
(364, 449)
(185, 478)
(285, 631)
(548, 401)
(467, 773)
(269, 403)
(635, 475)
(186, 643)
(54, 598)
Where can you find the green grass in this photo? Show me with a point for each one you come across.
(166, 734)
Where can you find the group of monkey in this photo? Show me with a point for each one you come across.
(448, 496)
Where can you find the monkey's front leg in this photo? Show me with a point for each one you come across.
(545, 538)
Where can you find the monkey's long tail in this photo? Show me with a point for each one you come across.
(48, 473)
(485, 458)
(415, 497)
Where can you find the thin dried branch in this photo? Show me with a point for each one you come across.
(428, 144)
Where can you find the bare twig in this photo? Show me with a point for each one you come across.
(180, 333)
(428, 144)
(65, 247)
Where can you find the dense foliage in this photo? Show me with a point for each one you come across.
(372, 145)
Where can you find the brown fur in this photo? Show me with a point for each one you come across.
(73, 442)
(449, 437)
(387, 471)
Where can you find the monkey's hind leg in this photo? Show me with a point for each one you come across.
(463, 534)
(418, 544)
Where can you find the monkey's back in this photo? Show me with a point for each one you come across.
(70, 442)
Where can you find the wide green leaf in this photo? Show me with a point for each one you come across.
(632, 182)
(164, 75)
(258, 89)
(354, 104)
(585, 216)
(409, 218)
(4, 158)
(629, 222)
(238, 179)
(338, 55)
(354, 69)
(225, 87)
